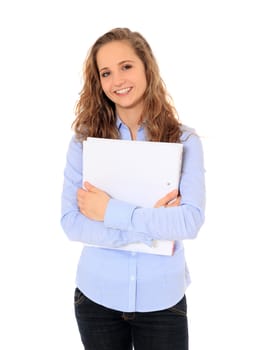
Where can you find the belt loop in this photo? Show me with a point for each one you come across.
(128, 316)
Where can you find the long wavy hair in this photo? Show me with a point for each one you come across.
(95, 112)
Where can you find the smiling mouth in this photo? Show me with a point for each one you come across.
(123, 91)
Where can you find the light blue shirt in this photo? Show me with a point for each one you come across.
(129, 281)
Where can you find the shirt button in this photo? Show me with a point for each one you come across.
(132, 278)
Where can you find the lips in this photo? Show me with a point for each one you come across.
(123, 91)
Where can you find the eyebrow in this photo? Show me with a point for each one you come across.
(119, 64)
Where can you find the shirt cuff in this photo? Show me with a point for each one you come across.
(118, 214)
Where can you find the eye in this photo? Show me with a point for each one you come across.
(105, 74)
(126, 66)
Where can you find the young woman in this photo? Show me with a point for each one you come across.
(126, 300)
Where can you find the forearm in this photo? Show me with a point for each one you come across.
(176, 223)
(81, 229)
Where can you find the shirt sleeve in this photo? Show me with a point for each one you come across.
(77, 226)
(175, 223)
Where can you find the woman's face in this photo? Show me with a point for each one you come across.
(122, 76)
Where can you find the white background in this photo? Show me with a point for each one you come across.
(209, 54)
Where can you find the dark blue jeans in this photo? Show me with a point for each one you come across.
(105, 329)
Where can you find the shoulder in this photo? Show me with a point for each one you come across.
(189, 135)
(75, 143)
(75, 146)
(192, 145)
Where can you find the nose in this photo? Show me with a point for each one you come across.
(118, 79)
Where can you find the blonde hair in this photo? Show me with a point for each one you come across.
(95, 113)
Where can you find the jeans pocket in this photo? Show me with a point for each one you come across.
(79, 297)
(180, 308)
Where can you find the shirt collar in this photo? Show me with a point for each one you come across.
(119, 123)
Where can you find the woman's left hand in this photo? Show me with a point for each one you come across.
(92, 202)
(172, 199)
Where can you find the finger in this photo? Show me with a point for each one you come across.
(88, 186)
(166, 199)
(171, 196)
(80, 193)
(160, 203)
(174, 203)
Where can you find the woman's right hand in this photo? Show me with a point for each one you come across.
(172, 199)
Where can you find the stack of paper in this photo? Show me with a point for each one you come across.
(138, 172)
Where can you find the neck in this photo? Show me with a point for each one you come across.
(132, 124)
(131, 117)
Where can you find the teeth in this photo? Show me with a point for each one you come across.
(123, 91)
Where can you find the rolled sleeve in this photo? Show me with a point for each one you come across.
(119, 214)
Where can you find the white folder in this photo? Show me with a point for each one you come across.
(138, 172)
